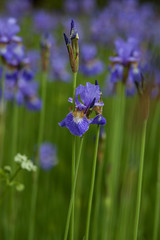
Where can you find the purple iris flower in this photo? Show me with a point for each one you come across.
(76, 122)
(87, 94)
(127, 52)
(48, 155)
(90, 100)
(125, 65)
(14, 54)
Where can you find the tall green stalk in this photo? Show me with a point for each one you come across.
(157, 203)
(36, 174)
(115, 157)
(73, 191)
(97, 201)
(13, 152)
(100, 166)
(140, 178)
(73, 156)
(92, 185)
(74, 88)
(2, 124)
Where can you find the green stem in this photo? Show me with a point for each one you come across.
(73, 156)
(97, 196)
(115, 157)
(36, 174)
(74, 88)
(42, 114)
(15, 132)
(73, 173)
(11, 179)
(13, 152)
(15, 174)
(157, 203)
(2, 127)
(92, 185)
(97, 202)
(73, 191)
(140, 178)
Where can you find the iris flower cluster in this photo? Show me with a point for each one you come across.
(136, 20)
(19, 82)
(90, 102)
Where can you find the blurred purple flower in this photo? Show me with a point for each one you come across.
(14, 55)
(44, 21)
(48, 155)
(125, 65)
(8, 29)
(88, 6)
(18, 8)
(19, 85)
(88, 52)
(90, 66)
(71, 6)
(135, 20)
(127, 52)
(59, 68)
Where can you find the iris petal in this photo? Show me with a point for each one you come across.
(77, 125)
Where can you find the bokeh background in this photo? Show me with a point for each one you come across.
(100, 24)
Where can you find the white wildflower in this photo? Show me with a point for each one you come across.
(24, 162)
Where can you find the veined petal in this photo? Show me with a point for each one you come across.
(90, 92)
(62, 123)
(76, 123)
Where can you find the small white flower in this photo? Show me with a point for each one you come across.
(24, 162)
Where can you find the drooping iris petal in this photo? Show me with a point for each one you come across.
(99, 119)
(76, 123)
